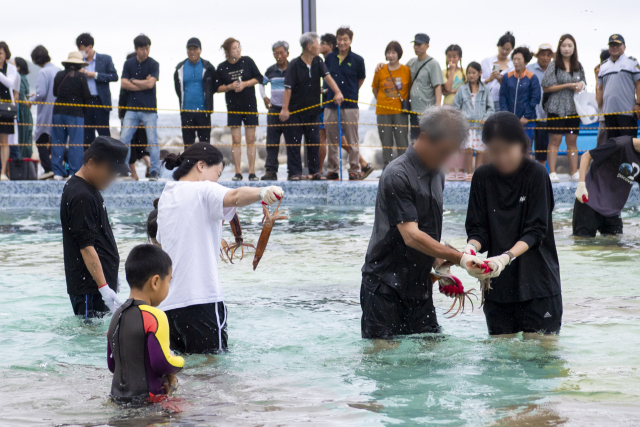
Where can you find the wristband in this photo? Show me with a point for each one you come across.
(100, 287)
(474, 246)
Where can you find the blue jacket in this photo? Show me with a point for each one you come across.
(520, 94)
(483, 107)
(106, 74)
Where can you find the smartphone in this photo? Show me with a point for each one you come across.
(496, 67)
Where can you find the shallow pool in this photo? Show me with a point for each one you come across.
(295, 350)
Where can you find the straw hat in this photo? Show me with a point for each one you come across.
(75, 57)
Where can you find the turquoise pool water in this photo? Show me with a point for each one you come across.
(296, 354)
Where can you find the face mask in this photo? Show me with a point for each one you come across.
(85, 55)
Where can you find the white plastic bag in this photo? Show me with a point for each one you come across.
(586, 106)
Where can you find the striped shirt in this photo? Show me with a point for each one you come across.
(275, 76)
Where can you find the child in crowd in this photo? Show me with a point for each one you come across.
(475, 100)
(454, 78)
(138, 338)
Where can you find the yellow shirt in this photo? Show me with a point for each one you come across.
(388, 93)
(458, 80)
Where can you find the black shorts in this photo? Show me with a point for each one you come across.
(239, 119)
(386, 315)
(88, 306)
(542, 315)
(587, 222)
(198, 329)
(563, 123)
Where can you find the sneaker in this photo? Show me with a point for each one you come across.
(575, 177)
(57, 178)
(554, 177)
(46, 175)
(334, 176)
(270, 176)
(366, 171)
(153, 176)
(253, 177)
(237, 177)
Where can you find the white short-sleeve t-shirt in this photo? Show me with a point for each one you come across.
(190, 216)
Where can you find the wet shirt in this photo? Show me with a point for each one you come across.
(85, 223)
(138, 351)
(347, 74)
(133, 69)
(505, 209)
(615, 167)
(408, 192)
(245, 69)
(618, 84)
(304, 82)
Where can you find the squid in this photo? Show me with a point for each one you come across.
(230, 250)
(452, 286)
(268, 220)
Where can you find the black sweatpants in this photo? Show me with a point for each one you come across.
(95, 117)
(587, 222)
(414, 122)
(619, 120)
(88, 306)
(542, 315)
(274, 132)
(198, 329)
(293, 137)
(196, 119)
(541, 141)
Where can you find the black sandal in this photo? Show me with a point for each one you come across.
(318, 177)
(237, 177)
(294, 178)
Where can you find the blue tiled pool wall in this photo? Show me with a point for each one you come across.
(122, 194)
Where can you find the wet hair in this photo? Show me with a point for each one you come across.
(507, 127)
(200, 151)
(507, 38)
(329, 39)
(280, 43)
(604, 55)
(141, 41)
(4, 46)
(574, 64)
(475, 66)
(40, 55)
(395, 46)
(152, 221)
(457, 49)
(442, 122)
(308, 38)
(86, 39)
(342, 31)
(227, 45)
(524, 51)
(144, 262)
(22, 65)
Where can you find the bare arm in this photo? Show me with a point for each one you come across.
(92, 261)
(636, 107)
(360, 82)
(337, 93)
(599, 95)
(438, 95)
(448, 85)
(421, 241)
(240, 197)
(584, 166)
(127, 85)
(145, 84)
(284, 112)
(557, 88)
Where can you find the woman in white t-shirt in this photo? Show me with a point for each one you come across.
(490, 66)
(190, 215)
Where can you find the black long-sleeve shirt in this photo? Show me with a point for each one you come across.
(70, 87)
(504, 209)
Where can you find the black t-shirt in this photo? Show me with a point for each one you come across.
(408, 192)
(304, 82)
(85, 223)
(245, 69)
(504, 209)
(615, 167)
(70, 87)
(139, 71)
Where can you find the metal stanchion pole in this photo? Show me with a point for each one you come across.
(340, 140)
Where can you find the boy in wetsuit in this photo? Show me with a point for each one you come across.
(138, 338)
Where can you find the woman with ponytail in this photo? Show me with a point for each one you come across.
(189, 228)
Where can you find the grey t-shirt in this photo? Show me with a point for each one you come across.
(423, 84)
(561, 102)
(618, 83)
(615, 167)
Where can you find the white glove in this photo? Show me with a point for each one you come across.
(473, 265)
(110, 298)
(581, 193)
(271, 194)
(470, 249)
(497, 264)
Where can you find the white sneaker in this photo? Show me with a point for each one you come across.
(4, 177)
(575, 177)
(554, 177)
(57, 178)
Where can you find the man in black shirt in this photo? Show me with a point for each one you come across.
(90, 253)
(396, 291)
(303, 90)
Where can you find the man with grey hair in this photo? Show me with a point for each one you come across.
(274, 75)
(302, 95)
(396, 290)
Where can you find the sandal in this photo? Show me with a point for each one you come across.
(318, 177)
(366, 171)
(294, 178)
(451, 176)
(469, 177)
(461, 176)
(237, 177)
(333, 176)
(354, 176)
(253, 177)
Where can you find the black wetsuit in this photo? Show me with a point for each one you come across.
(505, 209)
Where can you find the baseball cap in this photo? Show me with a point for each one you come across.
(421, 38)
(194, 41)
(616, 38)
(111, 150)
